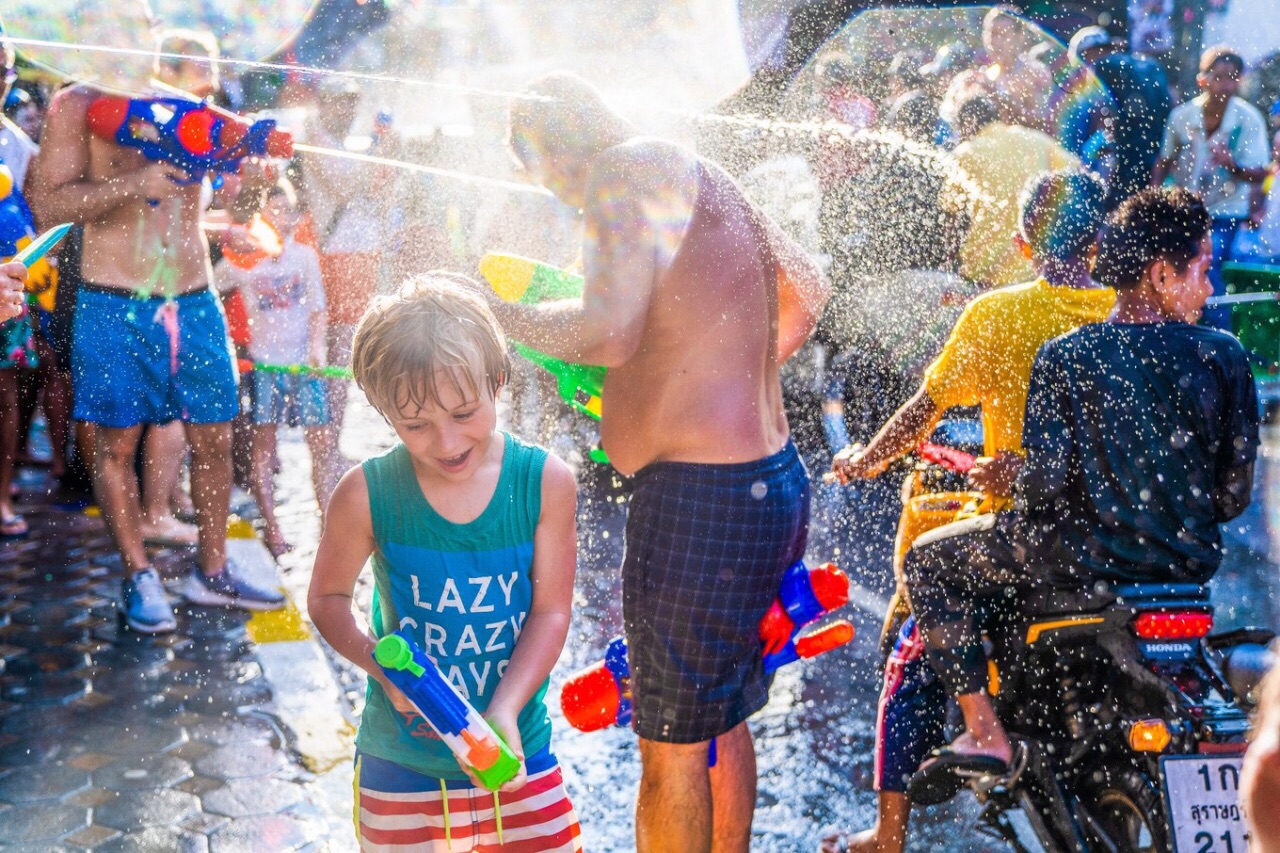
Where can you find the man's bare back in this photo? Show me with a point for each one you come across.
(702, 384)
(129, 243)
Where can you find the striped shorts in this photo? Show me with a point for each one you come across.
(397, 809)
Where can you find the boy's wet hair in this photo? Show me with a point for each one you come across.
(1061, 213)
(1156, 224)
(433, 330)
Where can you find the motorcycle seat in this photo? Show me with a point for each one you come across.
(1104, 594)
(1144, 593)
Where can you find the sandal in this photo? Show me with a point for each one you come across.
(278, 547)
(13, 527)
(947, 771)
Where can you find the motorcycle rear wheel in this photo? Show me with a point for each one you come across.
(1127, 809)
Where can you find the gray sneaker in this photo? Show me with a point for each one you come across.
(146, 607)
(225, 589)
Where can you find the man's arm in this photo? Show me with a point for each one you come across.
(803, 290)
(58, 186)
(624, 236)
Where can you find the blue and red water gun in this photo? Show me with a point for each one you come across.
(194, 136)
(600, 695)
(472, 740)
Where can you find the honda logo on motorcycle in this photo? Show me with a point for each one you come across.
(1167, 651)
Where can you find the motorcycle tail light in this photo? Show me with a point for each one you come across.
(1173, 625)
(1148, 736)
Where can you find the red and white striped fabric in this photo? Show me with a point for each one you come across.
(538, 818)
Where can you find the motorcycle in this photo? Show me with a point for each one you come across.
(1128, 714)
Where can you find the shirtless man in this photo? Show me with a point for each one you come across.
(692, 300)
(1019, 84)
(150, 345)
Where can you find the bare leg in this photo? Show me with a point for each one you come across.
(211, 491)
(983, 733)
(163, 450)
(8, 438)
(264, 450)
(115, 486)
(324, 473)
(57, 411)
(733, 791)
(86, 441)
(889, 835)
(673, 809)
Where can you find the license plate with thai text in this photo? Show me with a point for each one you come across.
(1202, 799)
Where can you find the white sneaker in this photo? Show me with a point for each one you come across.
(225, 589)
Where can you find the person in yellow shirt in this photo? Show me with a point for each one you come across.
(986, 361)
(998, 159)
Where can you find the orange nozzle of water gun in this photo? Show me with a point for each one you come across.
(824, 639)
(234, 128)
(482, 753)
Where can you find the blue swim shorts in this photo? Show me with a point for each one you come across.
(132, 364)
(706, 549)
(280, 398)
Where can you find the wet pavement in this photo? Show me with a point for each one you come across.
(111, 741)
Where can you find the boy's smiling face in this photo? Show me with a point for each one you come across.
(452, 439)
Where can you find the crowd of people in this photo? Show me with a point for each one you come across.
(1059, 257)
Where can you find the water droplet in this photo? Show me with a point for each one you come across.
(759, 490)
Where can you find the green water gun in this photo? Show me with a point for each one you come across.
(331, 371)
(517, 279)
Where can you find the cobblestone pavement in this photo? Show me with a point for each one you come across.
(110, 740)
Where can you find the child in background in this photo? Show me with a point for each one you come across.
(284, 298)
(473, 545)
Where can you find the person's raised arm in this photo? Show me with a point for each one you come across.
(638, 202)
(58, 185)
(555, 554)
(803, 290)
(901, 434)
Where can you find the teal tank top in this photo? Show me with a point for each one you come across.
(462, 590)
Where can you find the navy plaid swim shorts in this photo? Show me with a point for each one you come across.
(706, 549)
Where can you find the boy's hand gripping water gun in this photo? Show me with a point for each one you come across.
(193, 136)
(517, 279)
(600, 695)
(459, 725)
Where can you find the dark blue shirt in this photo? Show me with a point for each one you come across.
(1130, 431)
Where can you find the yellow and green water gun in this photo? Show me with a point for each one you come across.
(517, 279)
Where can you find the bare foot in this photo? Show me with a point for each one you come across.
(167, 530)
(995, 745)
(842, 842)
